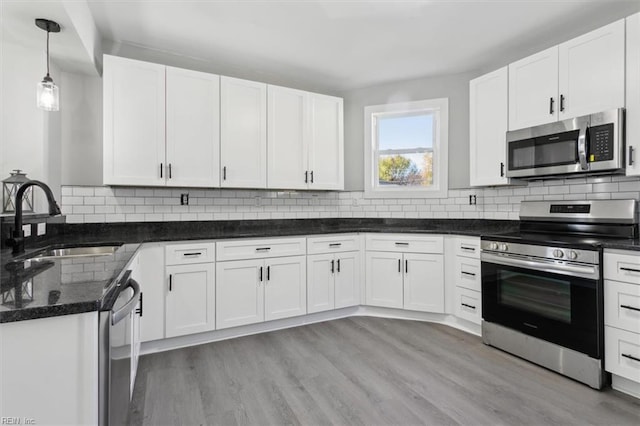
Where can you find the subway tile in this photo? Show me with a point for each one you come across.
(83, 191)
(94, 201)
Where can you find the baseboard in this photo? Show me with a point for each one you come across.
(265, 327)
(625, 385)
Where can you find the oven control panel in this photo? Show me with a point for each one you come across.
(540, 251)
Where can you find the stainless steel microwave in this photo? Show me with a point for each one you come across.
(591, 144)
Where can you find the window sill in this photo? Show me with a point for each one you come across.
(442, 193)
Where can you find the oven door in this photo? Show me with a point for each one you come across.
(559, 302)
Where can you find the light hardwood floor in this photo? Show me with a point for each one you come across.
(363, 371)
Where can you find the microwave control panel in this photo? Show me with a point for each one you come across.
(601, 143)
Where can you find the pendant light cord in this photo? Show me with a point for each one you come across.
(47, 51)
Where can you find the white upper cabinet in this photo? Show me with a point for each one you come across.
(591, 72)
(193, 128)
(582, 76)
(305, 141)
(488, 127)
(633, 95)
(533, 90)
(243, 133)
(134, 122)
(326, 149)
(287, 138)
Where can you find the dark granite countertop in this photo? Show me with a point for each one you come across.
(59, 287)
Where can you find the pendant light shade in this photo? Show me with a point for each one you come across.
(48, 93)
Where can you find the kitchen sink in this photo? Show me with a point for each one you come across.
(73, 252)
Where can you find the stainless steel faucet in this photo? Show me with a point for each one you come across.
(17, 240)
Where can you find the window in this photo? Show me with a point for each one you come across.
(406, 149)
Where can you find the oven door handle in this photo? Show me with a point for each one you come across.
(124, 311)
(583, 271)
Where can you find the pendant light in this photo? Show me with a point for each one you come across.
(48, 93)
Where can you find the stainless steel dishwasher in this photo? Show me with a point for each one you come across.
(117, 350)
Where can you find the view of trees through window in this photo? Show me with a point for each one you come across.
(405, 150)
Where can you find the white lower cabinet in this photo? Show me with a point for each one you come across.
(257, 290)
(468, 304)
(413, 281)
(152, 283)
(190, 301)
(333, 281)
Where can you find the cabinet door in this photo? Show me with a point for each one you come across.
(424, 282)
(384, 279)
(152, 282)
(287, 138)
(191, 299)
(591, 72)
(285, 291)
(533, 90)
(193, 128)
(320, 282)
(347, 283)
(134, 132)
(633, 95)
(243, 133)
(326, 149)
(239, 293)
(488, 127)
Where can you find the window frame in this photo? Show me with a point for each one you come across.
(440, 108)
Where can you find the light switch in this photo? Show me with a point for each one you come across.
(42, 228)
(27, 230)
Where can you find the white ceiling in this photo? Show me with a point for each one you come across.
(342, 45)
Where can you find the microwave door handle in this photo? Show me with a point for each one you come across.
(582, 148)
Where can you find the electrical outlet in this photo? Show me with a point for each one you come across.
(258, 201)
(184, 199)
(355, 202)
(27, 230)
(42, 228)
(472, 200)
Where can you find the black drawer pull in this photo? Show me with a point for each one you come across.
(402, 244)
(630, 307)
(335, 244)
(467, 248)
(468, 273)
(631, 357)
(193, 254)
(263, 249)
(630, 270)
(468, 306)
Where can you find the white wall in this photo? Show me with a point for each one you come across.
(29, 136)
(455, 87)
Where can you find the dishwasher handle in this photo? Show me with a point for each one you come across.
(124, 311)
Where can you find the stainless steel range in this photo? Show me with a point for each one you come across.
(542, 287)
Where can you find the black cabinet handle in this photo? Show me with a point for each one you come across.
(311, 176)
(263, 248)
(192, 254)
(631, 357)
(261, 274)
(468, 306)
(472, 249)
(224, 173)
(631, 156)
(335, 244)
(139, 310)
(161, 167)
(406, 266)
(468, 273)
(561, 102)
(402, 244)
(170, 282)
(399, 265)
(630, 270)
(169, 170)
(551, 101)
(632, 308)
(306, 176)
(501, 169)
(268, 273)
(332, 266)
(338, 265)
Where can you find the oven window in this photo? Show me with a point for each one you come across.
(544, 296)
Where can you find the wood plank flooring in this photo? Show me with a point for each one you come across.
(363, 371)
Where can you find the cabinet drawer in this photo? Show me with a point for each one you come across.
(333, 243)
(622, 267)
(468, 247)
(188, 253)
(405, 243)
(468, 305)
(260, 249)
(622, 305)
(468, 273)
(622, 353)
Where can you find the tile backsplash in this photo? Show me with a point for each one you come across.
(97, 204)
